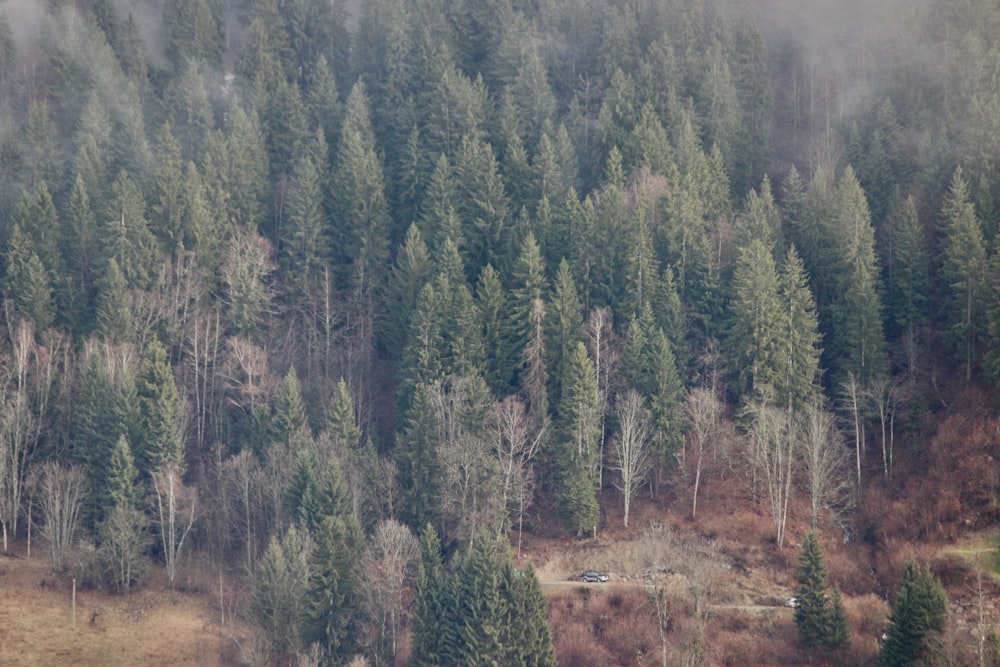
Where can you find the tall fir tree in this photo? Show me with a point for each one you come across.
(963, 272)
(575, 457)
(159, 438)
(819, 618)
(918, 609)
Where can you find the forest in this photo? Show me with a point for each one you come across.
(345, 299)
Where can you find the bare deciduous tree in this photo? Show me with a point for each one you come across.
(883, 393)
(852, 399)
(176, 505)
(600, 338)
(631, 446)
(772, 456)
(469, 499)
(25, 392)
(515, 442)
(388, 573)
(825, 459)
(240, 475)
(124, 540)
(61, 492)
(702, 410)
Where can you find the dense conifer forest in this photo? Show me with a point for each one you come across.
(345, 298)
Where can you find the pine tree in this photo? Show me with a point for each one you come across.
(122, 488)
(159, 439)
(575, 458)
(302, 252)
(756, 320)
(26, 283)
(278, 602)
(331, 614)
(494, 307)
(417, 457)
(360, 208)
(430, 627)
(855, 341)
(799, 338)
(288, 416)
(963, 271)
(564, 324)
(918, 608)
(812, 612)
(113, 315)
(909, 277)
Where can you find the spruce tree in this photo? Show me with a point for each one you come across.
(430, 628)
(113, 315)
(812, 613)
(159, 440)
(332, 603)
(575, 458)
(918, 608)
(963, 271)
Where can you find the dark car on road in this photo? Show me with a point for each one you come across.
(591, 577)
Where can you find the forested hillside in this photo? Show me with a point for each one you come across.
(345, 300)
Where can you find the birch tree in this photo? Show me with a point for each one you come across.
(24, 401)
(702, 411)
(772, 457)
(390, 565)
(62, 490)
(176, 505)
(825, 459)
(632, 445)
(515, 442)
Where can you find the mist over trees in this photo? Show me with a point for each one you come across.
(280, 276)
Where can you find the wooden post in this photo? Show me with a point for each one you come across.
(74, 604)
(222, 603)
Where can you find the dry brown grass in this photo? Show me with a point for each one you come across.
(153, 626)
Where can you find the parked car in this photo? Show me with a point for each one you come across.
(792, 603)
(591, 577)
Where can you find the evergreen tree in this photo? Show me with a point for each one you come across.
(482, 205)
(417, 457)
(564, 324)
(159, 439)
(494, 307)
(918, 608)
(278, 602)
(114, 312)
(243, 170)
(855, 342)
(576, 458)
(360, 209)
(430, 628)
(125, 234)
(963, 271)
(819, 618)
(122, 473)
(413, 270)
(798, 336)
(756, 320)
(909, 277)
(288, 416)
(26, 283)
(302, 252)
(332, 601)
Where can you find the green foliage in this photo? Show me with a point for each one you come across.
(820, 618)
(575, 457)
(278, 604)
(918, 608)
(483, 612)
(158, 439)
(963, 270)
